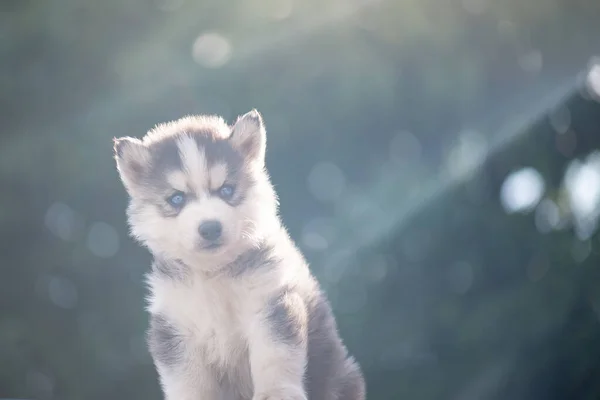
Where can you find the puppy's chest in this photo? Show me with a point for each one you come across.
(214, 321)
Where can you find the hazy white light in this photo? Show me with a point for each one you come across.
(405, 149)
(593, 80)
(103, 240)
(62, 292)
(582, 182)
(318, 234)
(467, 154)
(211, 50)
(532, 61)
(354, 205)
(326, 182)
(62, 221)
(522, 190)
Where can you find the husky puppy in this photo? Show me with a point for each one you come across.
(235, 313)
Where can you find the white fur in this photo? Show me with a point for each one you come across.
(217, 176)
(194, 163)
(224, 318)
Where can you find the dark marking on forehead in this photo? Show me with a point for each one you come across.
(219, 151)
(165, 156)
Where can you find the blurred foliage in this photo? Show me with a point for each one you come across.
(392, 129)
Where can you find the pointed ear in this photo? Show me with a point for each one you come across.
(133, 159)
(249, 137)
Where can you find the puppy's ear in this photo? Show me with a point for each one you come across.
(249, 137)
(133, 159)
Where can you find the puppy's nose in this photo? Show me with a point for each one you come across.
(210, 230)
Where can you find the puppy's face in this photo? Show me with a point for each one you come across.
(199, 192)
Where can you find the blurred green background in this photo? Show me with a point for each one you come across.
(436, 161)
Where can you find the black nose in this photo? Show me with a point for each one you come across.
(210, 230)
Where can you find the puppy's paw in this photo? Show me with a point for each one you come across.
(281, 394)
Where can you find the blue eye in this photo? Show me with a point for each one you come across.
(226, 191)
(177, 199)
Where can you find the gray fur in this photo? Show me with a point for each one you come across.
(330, 371)
(165, 342)
(262, 257)
(175, 270)
(285, 317)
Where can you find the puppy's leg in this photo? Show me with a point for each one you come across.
(188, 383)
(278, 349)
(182, 374)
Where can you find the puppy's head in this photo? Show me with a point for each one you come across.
(198, 188)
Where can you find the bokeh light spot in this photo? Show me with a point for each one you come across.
(582, 184)
(593, 80)
(318, 234)
(522, 190)
(62, 221)
(103, 240)
(467, 154)
(326, 182)
(376, 269)
(354, 205)
(211, 50)
(62, 292)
